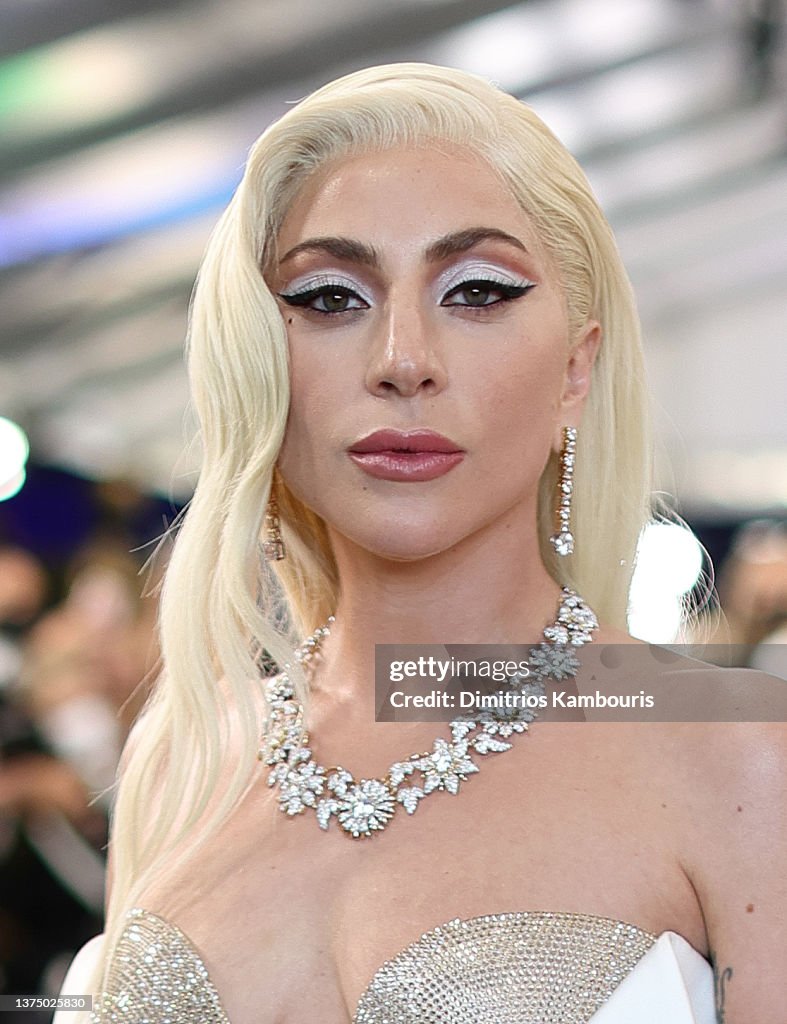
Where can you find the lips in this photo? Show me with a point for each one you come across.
(402, 442)
(406, 456)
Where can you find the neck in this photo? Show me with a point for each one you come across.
(490, 588)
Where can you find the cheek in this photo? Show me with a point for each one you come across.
(319, 360)
(315, 395)
(522, 387)
(517, 402)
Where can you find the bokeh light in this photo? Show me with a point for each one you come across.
(14, 449)
(669, 563)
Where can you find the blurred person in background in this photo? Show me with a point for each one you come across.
(73, 688)
(752, 586)
(42, 919)
(92, 652)
(23, 591)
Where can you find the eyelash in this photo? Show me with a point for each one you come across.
(303, 299)
(508, 291)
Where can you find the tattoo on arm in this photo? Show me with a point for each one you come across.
(720, 979)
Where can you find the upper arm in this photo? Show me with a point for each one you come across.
(738, 865)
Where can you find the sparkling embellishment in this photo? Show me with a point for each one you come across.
(156, 977)
(368, 806)
(528, 967)
(563, 540)
(555, 662)
(363, 808)
(446, 766)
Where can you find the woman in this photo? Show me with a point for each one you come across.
(411, 250)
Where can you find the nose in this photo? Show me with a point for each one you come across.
(405, 355)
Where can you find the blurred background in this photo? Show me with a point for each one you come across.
(124, 126)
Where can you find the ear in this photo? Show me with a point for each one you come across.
(576, 381)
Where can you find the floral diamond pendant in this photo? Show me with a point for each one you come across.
(367, 807)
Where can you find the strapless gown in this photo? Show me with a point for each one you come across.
(523, 967)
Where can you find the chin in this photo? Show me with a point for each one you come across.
(405, 544)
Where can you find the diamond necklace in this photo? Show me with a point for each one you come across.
(364, 808)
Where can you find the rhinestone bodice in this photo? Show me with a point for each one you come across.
(528, 967)
(533, 968)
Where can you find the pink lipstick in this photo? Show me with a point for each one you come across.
(405, 455)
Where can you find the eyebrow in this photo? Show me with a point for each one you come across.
(352, 251)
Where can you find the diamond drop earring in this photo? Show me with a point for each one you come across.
(563, 540)
(273, 547)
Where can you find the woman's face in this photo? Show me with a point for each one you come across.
(416, 295)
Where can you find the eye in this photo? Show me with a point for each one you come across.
(326, 299)
(481, 292)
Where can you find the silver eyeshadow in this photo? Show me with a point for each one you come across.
(326, 280)
(445, 282)
(475, 270)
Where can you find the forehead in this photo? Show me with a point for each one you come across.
(403, 195)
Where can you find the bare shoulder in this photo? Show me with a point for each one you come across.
(740, 752)
(732, 780)
(728, 726)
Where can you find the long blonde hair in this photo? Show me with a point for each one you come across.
(221, 602)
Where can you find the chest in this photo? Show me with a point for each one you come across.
(289, 919)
